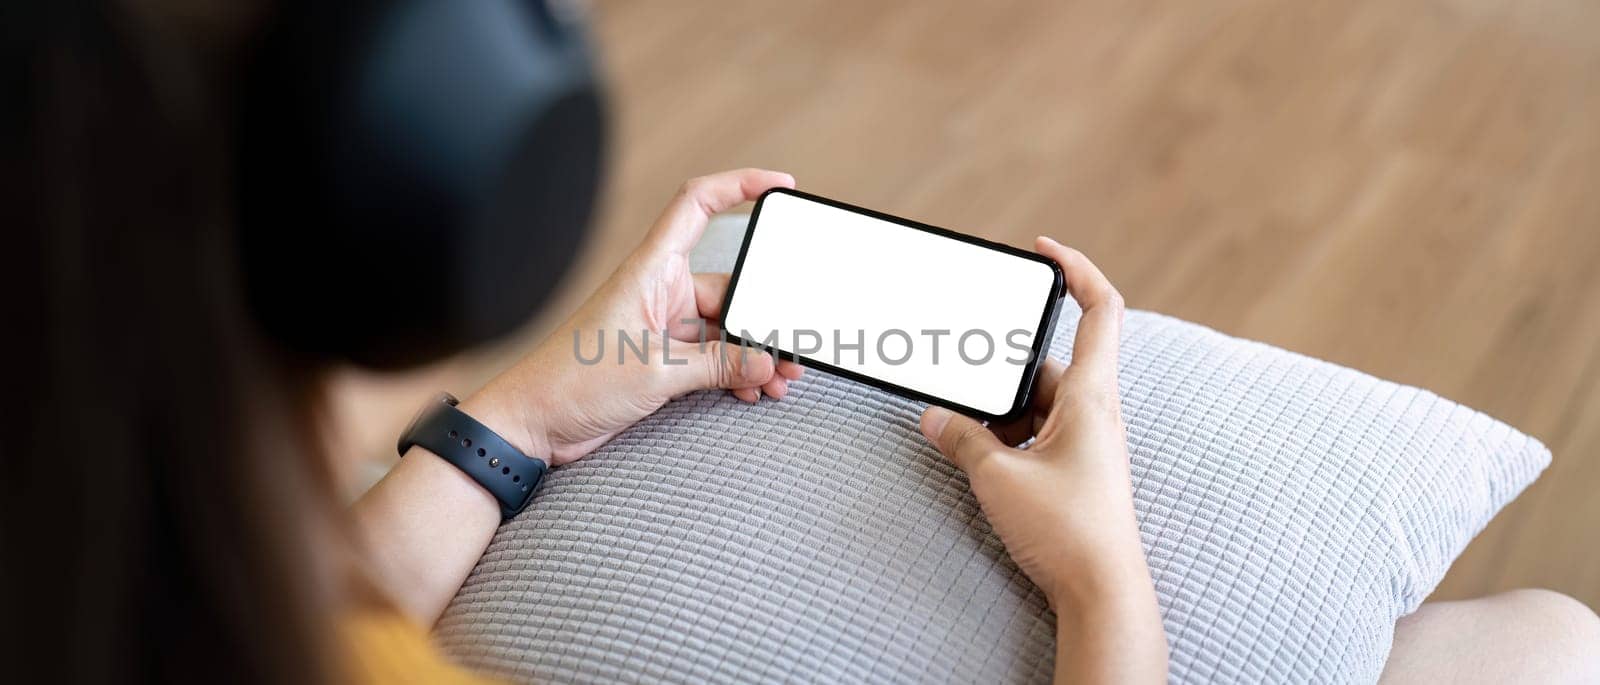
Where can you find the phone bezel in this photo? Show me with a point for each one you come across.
(1046, 327)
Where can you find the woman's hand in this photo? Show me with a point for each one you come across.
(426, 523)
(1063, 506)
(554, 406)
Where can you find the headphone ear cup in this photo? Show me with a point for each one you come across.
(416, 176)
(531, 228)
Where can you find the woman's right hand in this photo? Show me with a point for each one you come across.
(1063, 506)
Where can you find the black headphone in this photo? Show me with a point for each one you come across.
(414, 176)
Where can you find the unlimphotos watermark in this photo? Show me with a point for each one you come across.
(891, 346)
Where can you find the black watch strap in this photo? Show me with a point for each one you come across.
(482, 454)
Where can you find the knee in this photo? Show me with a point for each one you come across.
(1566, 631)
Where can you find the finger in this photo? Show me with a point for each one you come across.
(694, 330)
(709, 289)
(750, 395)
(1039, 404)
(1045, 384)
(963, 441)
(776, 388)
(791, 370)
(719, 365)
(1094, 348)
(684, 219)
(1016, 432)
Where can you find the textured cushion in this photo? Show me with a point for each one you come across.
(1291, 510)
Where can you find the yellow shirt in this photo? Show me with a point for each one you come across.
(385, 647)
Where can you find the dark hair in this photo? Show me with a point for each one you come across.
(160, 473)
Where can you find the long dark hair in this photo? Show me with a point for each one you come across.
(160, 476)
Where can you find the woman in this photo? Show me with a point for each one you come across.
(176, 519)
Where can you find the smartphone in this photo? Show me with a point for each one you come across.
(920, 311)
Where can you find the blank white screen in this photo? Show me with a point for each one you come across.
(853, 278)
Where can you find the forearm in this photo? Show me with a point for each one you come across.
(426, 524)
(1110, 631)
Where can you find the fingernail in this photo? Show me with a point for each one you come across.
(1050, 240)
(934, 420)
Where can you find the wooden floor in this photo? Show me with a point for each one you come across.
(1408, 188)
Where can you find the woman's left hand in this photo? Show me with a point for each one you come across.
(559, 407)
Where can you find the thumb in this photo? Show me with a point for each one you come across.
(962, 440)
(720, 364)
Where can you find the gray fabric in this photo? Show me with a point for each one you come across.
(1291, 510)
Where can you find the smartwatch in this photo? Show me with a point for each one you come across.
(482, 454)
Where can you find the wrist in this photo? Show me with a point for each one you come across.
(1103, 580)
(1113, 635)
(518, 423)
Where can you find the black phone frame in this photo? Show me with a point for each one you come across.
(1046, 328)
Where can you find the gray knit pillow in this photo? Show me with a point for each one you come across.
(1291, 509)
